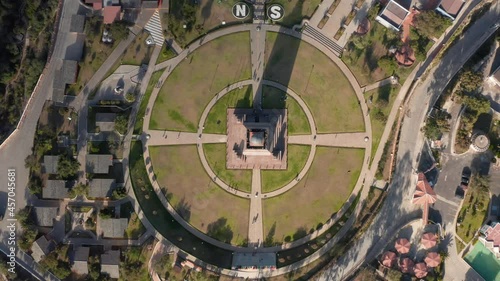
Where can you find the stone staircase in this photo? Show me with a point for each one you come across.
(154, 28)
(327, 42)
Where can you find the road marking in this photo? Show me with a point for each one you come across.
(445, 177)
(447, 201)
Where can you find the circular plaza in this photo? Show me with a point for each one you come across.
(254, 140)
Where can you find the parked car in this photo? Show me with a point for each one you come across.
(464, 182)
(460, 192)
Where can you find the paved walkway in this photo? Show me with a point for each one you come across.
(255, 224)
(257, 47)
(356, 140)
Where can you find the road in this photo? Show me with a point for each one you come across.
(396, 208)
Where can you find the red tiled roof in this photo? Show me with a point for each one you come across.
(97, 6)
(493, 235)
(111, 13)
(424, 192)
(452, 6)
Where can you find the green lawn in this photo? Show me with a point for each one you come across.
(318, 195)
(161, 219)
(195, 81)
(317, 79)
(194, 195)
(297, 119)
(144, 102)
(216, 122)
(274, 179)
(473, 212)
(166, 53)
(296, 10)
(216, 157)
(380, 107)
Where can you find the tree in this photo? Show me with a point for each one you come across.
(130, 96)
(436, 125)
(79, 189)
(480, 182)
(119, 193)
(477, 104)
(118, 30)
(31, 162)
(431, 24)
(121, 124)
(471, 81)
(388, 64)
(67, 167)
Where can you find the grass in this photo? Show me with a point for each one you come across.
(94, 54)
(208, 15)
(237, 179)
(380, 107)
(196, 80)
(161, 219)
(139, 121)
(296, 118)
(135, 228)
(275, 179)
(319, 195)
(473, 212)
(296, 10)
(363, 53)
(216, 122)
(194, 195)
(317, 79)
(166, 53)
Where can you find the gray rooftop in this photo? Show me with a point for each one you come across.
(50, 164)
(77, 23)
(110, 262)
(55, 189)
(114, 228)
(44, 216)
(99, 163)
(101, 188)
(69, 69)
(105, 121)
(42, 247)
(80, 264)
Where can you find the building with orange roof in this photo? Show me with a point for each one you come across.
(424, 195)
(96, 4)
(490, 237)
(111, 14)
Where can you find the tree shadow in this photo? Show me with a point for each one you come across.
(269, 240)
(207, 10)
(184, 209)
(299, 233)
(220, 230)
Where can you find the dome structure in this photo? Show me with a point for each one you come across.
(480, 142)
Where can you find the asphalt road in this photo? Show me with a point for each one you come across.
(397, 208)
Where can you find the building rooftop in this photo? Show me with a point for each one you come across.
(451, 7)
(44, 216)
(495, 76)
(492, 234)
(256, 139)
(42, 247)
(49, 165)
(77, 23)
(80, 264)
(111, 14)
(114, 228)
(99, 163)
(101, 188)
(105, 121)
(393, 15)
(110, 262)
(56, 189)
